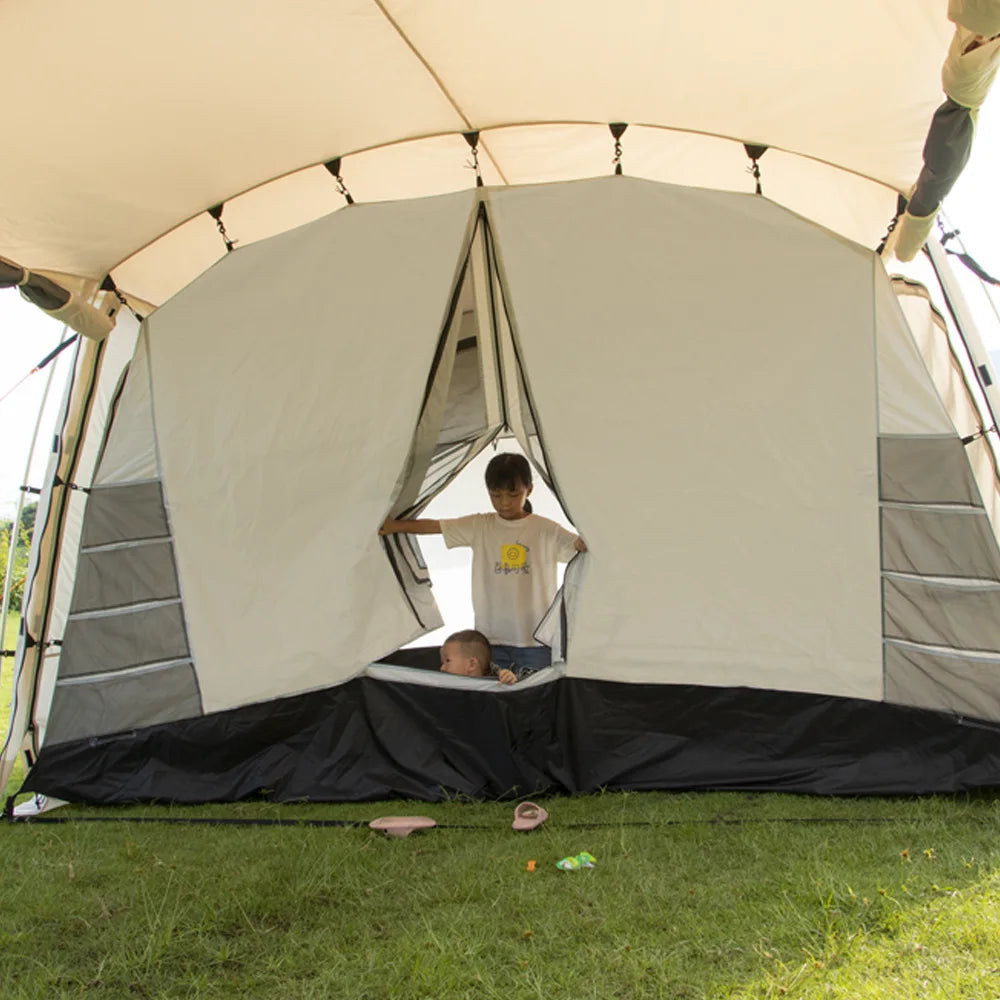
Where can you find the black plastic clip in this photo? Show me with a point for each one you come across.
(975, 437)
(216, 212)
(333, 167)
(70, 486)
(755, 152)
(618, 130)
(472, 138)
(108, 285)
(893, 222)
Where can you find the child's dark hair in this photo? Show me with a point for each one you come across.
(508, 471)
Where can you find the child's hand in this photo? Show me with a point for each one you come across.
(506, 676)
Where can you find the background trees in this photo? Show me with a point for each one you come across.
(21, 548)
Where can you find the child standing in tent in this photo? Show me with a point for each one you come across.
(514, 558)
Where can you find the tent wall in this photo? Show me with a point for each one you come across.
(91, 396)
(940, 506)
(126, 660)
(372, 739)
(728, 499)
(784, 528)
(275, 504)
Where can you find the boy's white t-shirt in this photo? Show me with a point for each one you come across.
(513, 571)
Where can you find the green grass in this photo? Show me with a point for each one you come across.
(700, 895)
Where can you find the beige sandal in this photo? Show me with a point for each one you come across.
(527, 816)
(401, 826)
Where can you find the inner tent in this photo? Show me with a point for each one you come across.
(783, 588)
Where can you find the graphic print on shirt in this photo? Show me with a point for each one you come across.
(513, 559)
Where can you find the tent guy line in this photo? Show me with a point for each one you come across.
(360, 823)
(51, 356)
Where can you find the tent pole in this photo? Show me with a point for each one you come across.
(42, 567)
(8, 582)
(977, 384)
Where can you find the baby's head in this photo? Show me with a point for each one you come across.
(466, 654)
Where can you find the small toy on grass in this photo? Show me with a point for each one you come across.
(573, 863)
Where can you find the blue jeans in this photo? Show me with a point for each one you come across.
(523, 660)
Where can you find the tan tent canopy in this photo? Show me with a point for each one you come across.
(127, 122)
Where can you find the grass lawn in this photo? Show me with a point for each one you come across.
(713, 895)
(694, 895)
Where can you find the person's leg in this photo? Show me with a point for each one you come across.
(523, 660)
(531, 658)
(504, 657)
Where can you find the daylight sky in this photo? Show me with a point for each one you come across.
(27, 334)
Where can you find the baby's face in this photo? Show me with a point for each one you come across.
(453, 661)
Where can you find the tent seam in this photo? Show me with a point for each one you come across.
(439, 82)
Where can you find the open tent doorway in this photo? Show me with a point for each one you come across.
(450, 569)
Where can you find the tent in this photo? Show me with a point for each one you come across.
(783, 459)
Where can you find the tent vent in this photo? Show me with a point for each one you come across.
(472, 138)
(618, 130)
(755, 152)
(334, 167)
(216, 213)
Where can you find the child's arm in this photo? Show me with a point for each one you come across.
(420, 526)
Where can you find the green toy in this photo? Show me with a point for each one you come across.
(573, 863)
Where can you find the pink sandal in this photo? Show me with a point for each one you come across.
(527, 816)
(401, 826)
